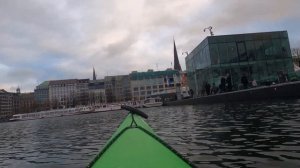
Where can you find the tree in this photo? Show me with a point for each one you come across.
(296, 55)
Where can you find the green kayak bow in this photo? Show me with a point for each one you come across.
(135, 145)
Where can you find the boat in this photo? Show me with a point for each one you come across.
(135, 145)
(45, 114)
(86, 109)
(107, 107)
(152, 102)
(135, 104)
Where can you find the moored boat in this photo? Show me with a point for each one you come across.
(153, 102)
(135, 145)
(107, 107)
(45, 114)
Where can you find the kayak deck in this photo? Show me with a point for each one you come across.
(134, 145)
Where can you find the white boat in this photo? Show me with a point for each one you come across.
(152, 102)
(135, 104)
(45, 114)
(86, 109)
(107, 107)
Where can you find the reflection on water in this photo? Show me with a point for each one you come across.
(265, 134)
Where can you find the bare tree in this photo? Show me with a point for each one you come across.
(296, 55)
(296, 52)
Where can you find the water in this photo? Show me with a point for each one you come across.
(264, 134)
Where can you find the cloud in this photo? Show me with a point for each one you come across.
(61, 39)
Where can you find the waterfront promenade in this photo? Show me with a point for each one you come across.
(286, 90)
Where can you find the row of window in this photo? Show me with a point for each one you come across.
(148, 87)
(239, 51)
(249, 51)
(147, 92)
(261, 71)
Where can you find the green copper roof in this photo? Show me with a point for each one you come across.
(45, 84)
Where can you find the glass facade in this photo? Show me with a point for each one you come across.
(258, 56)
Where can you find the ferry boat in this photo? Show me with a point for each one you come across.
(45, 114)
(152, 102)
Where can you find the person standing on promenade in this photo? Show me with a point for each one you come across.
(228, 83)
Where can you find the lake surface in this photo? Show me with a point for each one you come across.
(262, 134)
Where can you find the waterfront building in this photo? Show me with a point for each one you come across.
(27, 103)
(68, 93)
(41, 96)
(146, 84)
(117, 88)
(97, 92)
(9, 104)
(260, 57)
(82, 91)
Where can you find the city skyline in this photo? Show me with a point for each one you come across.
(55, 40)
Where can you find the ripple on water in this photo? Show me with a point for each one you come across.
(264, 134)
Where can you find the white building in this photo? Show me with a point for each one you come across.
(9, 104)
(70, 92)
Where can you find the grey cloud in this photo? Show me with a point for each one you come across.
(81, 33)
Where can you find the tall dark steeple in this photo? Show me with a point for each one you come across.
(176, 60)
(94, 74)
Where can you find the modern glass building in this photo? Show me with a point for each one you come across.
(258, 56)
(41, 93)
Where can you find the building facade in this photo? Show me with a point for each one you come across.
(9, 104)
(145, 84)
(82, 88)
(97, 92)
(68, 93)
(27, 103)
(257, 56)
(41, 96)
(117, 88)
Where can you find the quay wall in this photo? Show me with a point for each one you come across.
(278, 91)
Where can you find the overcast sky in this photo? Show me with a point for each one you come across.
(63, 39)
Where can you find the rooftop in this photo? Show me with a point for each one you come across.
(150, 74)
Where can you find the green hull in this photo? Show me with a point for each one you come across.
(135, 145)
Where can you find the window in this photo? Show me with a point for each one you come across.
(260, 50)
(285, 48)
(277, 52)
(232, 53)
(214, 53)
(222, 53)
(250, 46)
(241, 46)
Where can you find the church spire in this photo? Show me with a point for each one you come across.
(176, 60)
(94, 74)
